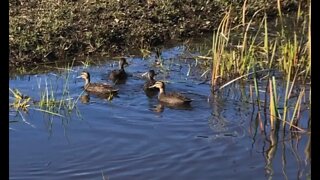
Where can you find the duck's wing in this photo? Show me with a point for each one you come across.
(114, 74)
(178, 96)
(102, 88)
(149, 83)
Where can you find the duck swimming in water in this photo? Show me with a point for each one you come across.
(150, 81)
(170, 98)
(119, 75)
(98, 88)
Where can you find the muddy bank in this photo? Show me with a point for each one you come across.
(56, 30)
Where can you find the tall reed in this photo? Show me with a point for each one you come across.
(219, 41)
(259, 51)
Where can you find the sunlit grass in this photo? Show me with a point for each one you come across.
(21, 102)
(257, 53)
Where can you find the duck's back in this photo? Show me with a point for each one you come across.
(150, 92)
(119, 74)
(174, 98)
(100, 88)
(149, 83)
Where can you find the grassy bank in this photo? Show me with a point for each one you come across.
(50, 30)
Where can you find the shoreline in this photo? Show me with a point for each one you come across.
(51, 30)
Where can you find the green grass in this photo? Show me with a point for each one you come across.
(252, 48)
(46, 31)
(48, 101)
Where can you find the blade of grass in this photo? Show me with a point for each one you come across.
(295, 115)
(49, 112)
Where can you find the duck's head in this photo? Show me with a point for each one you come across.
(150, 74)
(123, 62)
(159, 85)
(84, 75)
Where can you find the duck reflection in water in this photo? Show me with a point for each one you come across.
(85, 99)
(161, 107)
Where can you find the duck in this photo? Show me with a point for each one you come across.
(119, 75)
(170, 98)
(98, 88)
(150, 82)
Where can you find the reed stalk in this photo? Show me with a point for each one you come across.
(286, 96)
(296, 113)
(280, 16)
(219, 40)
(274, 114)
(244, 7)
(308, 71)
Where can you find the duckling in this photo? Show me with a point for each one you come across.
(97, 88)
(119, 74)
(170, 98)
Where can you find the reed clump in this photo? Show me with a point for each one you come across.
(20, 102)
(258, 50)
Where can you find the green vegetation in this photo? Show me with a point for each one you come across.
(45, 31)
(252, 40)
(21, 102)
(239, 52)
(47, 102)
(263, 46)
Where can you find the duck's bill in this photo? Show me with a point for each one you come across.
(152, 86)
(79, 76)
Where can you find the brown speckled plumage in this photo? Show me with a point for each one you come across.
(119, 74)
(99, 88)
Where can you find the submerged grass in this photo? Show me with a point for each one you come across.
(50, 100)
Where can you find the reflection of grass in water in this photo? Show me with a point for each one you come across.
(278, 115)
(103, 176)
(268, 108)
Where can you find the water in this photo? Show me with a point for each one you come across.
(128, 138)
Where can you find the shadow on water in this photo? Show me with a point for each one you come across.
(134, 136)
